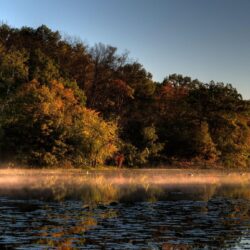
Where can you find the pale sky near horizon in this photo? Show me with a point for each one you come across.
(204, 39)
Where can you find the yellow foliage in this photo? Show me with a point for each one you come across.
(101, 136)
(64, 129)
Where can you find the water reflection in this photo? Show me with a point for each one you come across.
(55, 213)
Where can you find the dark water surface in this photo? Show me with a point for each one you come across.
(124, 210)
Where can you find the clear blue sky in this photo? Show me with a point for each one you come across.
(204, 39)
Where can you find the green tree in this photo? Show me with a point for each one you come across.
(13, 69)
(226, 115)
(42, 68)
(205, 146)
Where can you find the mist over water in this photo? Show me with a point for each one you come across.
(118, 185)
(124, 209)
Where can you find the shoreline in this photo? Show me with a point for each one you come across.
(174, 166)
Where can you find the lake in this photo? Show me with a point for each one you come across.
(124, 209)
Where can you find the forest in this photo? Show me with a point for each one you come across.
(64, 103)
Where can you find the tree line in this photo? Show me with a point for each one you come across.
(65, 103)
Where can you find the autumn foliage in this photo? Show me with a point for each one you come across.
(46, 125)
(64, 103)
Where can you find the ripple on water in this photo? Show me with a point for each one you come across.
(218, 223)
(135, 217)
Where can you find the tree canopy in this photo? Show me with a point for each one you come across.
(62, 101)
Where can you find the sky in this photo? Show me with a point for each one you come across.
(204, 39)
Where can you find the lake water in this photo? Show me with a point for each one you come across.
(126, 209)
